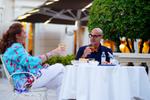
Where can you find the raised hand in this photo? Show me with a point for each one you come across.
(87, 51)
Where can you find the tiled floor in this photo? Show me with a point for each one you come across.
(6, 93)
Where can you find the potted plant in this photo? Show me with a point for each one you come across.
(65, 60)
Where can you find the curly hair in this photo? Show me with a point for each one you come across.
(10, 36)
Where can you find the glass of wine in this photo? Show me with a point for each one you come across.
(62, 48)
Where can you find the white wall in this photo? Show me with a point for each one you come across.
(1, 17)
(48, 37)
(6, 14)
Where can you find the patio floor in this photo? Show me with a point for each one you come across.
(6, 93)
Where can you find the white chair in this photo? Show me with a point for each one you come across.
(2, 70)
(39, 93)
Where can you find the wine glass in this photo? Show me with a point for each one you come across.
(62, 48)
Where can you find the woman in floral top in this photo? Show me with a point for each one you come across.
(17, 59)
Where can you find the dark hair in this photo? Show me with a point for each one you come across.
(10, 36)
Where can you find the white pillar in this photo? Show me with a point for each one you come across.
(9, 6)
(7, 14)
(136, 45)
(1, 17)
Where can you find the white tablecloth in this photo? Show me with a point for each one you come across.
(90, 82)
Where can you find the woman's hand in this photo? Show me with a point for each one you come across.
(59, 51)
(46, 65)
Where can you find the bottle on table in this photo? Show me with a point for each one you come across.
(103, 58)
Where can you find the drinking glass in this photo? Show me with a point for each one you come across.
(62, 48)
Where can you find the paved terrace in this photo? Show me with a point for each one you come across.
(6, 93)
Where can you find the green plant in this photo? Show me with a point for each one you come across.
(65, 60)
(121, 18)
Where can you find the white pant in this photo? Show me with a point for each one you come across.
(51, 78)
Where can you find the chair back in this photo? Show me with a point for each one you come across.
(1, 69)
(40, 92)
(7, 73)
(4, 67)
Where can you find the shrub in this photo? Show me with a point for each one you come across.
(65, 60)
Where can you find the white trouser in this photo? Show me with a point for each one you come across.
(51, 78)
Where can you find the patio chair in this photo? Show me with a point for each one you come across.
(2, 71)
(38, 93)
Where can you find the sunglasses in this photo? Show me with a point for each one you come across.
(94, 36)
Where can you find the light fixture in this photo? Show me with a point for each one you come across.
(23, 17)
(89, 5)
(34, 11)
(50, 2)
(49, 20)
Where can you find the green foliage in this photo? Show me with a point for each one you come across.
(117, 18)
(65, 60)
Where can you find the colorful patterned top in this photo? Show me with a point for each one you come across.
(17, 59)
